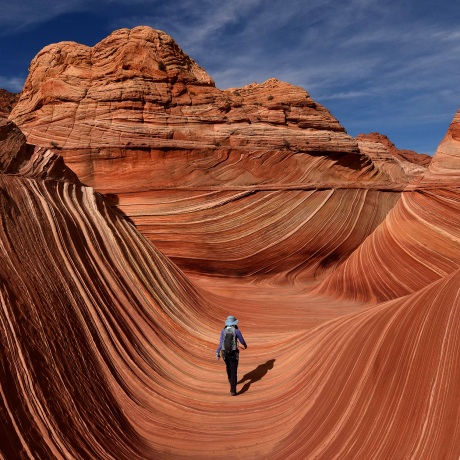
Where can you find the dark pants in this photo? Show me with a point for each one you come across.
(231, 361)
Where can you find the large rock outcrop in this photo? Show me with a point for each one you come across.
(419, 240)
(235, 182)
(401, 165)
(107, 347)
(445, 167)
(135, 99)
(405, 155)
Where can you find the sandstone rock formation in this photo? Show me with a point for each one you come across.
(94, 322)
(141, 122)
(418, 242)
(136, 99)
(7, 102)
(410, 156)
(445, 164)
(342, 266)
(401, 165)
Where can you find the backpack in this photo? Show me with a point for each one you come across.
(229, 340)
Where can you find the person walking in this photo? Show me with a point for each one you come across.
(228, 348)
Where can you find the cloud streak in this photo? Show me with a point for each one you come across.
(17, 17)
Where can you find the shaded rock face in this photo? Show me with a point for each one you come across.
(7, 102)
(14, 150)
(17, 157)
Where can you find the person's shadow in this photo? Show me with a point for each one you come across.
(255, 375)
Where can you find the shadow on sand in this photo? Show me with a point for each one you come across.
(255, 375)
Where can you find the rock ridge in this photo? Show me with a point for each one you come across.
(143, 124)
(135, 97)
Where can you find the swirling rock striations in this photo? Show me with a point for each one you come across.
(195, 167)
(90, 312)
(108, 346)
(417, 243)
(102, 357)
(297, 234)
(382, 383)
(445, 166)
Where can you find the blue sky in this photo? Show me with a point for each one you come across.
(378, 65)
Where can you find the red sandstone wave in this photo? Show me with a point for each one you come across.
(108, 347)
(103, 357)
(253, 180)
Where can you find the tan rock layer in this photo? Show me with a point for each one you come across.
(404, 155)
(400, 171)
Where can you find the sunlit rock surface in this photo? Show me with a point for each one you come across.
(342, 268)
(401, 165)
(405, 155)
(135, 100)
(253, 180)
(417, 243)
(445, 166)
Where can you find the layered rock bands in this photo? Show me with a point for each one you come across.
(147, 205)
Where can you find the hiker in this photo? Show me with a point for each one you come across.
(228, 347)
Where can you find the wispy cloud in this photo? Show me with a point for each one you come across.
(12, 84)
(346, 95)
(19, 16)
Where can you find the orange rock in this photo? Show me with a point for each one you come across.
(418, 242)
(446, 161)
(401, 168)
(108, 348)
(136, 99)
(111, 347)
(140, 121)
(13, 149)
(401, 154)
